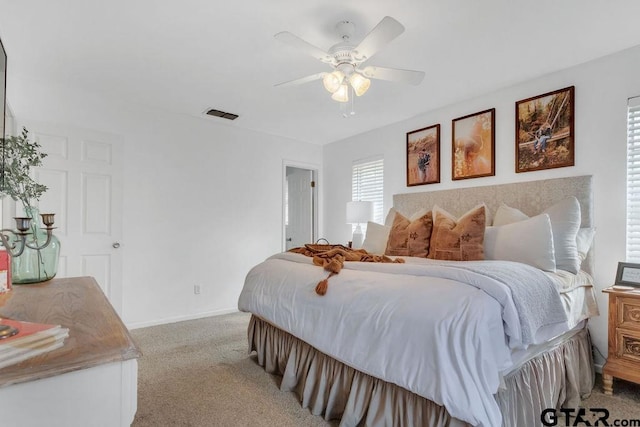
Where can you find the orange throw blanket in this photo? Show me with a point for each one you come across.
(332, 258)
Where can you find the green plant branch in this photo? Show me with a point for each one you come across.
(19, 156)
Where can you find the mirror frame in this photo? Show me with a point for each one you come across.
(3, 105)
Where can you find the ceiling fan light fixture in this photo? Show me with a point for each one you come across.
(359, 83)
(332, 81)
(347, 57)
(342, 94)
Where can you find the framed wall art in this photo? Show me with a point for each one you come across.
(473, 145)
(423, 156)
(628, 274)
(544, 131)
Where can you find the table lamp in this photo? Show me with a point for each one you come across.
(357, 213)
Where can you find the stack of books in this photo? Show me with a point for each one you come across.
(24, 340)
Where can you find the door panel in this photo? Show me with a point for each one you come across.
(97, 194)
(96, 152)
(56, 146)
(98, 266)
(83, 170)
(55, 199)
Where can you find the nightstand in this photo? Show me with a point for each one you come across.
(623, 360)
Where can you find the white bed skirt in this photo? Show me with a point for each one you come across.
(557, 378)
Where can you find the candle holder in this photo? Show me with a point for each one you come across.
(16, 247)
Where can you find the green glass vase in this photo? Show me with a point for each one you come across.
(36, 265)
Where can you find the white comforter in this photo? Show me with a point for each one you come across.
(437, 337)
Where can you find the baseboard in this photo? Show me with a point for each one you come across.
(163, 321)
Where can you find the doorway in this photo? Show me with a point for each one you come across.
(300, 206)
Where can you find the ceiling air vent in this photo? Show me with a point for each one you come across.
(224, 115)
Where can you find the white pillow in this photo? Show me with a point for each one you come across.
(375, 242)
(584, 239)
(529, 241)
(507, 215)
(391, 215)
(565, 222)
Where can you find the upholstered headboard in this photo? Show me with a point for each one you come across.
(531, 197)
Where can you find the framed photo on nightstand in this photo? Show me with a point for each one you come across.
(628, 274)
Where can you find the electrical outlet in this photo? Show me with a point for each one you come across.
(196, 289)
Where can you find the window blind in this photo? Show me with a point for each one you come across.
(633, 180)
(367, 184)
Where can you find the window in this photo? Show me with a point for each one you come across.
(633, 180)
(367, 185)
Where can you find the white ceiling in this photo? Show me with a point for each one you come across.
(187, 56)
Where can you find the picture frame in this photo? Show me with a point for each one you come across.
(628, 274)
(423, 156)
(545, 131)
(473, 145)
(3, 104)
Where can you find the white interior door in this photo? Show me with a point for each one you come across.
(83, 171)
(299, 216)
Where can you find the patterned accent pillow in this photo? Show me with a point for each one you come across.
(410, 238)
(458, 239)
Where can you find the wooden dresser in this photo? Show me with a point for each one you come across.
(623, 360)
(91, 380)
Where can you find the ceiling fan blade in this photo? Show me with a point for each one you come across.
(393, 74)
(295, 41)
(302, 80)
(386, 30)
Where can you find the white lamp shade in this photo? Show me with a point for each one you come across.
(359, 83)
(332, 81)
(342, 94)
(359, 212)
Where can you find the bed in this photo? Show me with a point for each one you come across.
(437, 342)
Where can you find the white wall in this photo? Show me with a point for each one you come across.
(216, 192)
(202, 201)
(602, 88)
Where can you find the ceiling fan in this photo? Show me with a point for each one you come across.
(347, 58)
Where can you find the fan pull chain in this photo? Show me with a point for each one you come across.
(343, 106)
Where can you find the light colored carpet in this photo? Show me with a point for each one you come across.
(623, 405)
(199, 373)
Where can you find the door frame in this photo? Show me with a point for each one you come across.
(315, 197)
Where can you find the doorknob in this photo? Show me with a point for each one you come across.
(289, 239)
(116, 245)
